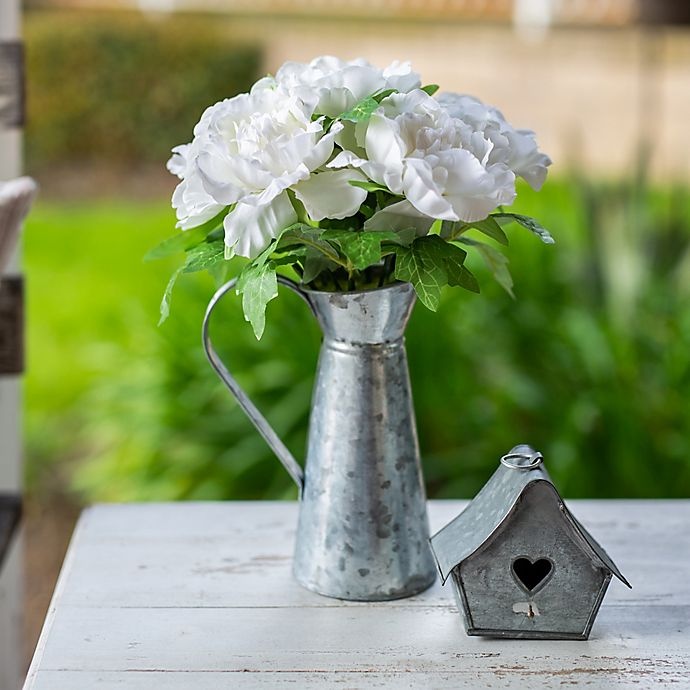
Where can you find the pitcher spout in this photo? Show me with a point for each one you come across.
(367, 317)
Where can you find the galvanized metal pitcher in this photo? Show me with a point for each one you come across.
(363, 530)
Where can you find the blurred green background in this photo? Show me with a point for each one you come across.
(590, 364)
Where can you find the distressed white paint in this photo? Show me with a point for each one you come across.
(199, 595)
(10, 468)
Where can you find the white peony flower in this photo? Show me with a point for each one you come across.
(261, 144)
(453, 158)
(333, 86)
(438, 163)
(192, 203)
(329, 194)
(248, 151)
(516, 148)
(250, 228)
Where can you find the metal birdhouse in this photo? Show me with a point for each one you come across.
(522, 566)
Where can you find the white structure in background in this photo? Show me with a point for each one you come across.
(16, 197)
(532, 18)
(522, 12)
(11, 666)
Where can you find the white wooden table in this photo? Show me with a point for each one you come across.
(198, 596)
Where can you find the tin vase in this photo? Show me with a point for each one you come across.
(363, 531)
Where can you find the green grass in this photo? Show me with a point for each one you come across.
(591, 363)
(91, 299)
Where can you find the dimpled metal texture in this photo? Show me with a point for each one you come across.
(363, 530)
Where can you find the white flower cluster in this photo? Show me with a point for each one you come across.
(450, 158)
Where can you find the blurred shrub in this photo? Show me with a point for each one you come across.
(124, 88)
(591, 363)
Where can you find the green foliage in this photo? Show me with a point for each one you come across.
(491, 228)
(124, 88)
(429, 263)
(431, 89)
(590, 364)
(361, 111)
(347, 258)
(495, 261)
(121, 408)
(258, 285)
(525, 221)
(184, 241)
(360, 249)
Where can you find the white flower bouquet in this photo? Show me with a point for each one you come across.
(352, 176)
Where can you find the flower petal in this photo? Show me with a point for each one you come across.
(178, 163)
(399, 76)
(345, 158)
(400, 216)
(216, 174)
(323, 149)
(330, 195)
(422, 191)
(474, 191)
(250, 229)
(384, 145)
(526, 160)
(193, 206)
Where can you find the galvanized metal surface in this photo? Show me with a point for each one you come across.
(363, 530)
(260, 422)
(522, 565)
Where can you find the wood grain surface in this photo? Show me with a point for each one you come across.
(199, 596)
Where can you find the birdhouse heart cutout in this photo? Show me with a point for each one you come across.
(517, 538)
(532, 575)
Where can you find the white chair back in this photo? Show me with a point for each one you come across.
(16, 197)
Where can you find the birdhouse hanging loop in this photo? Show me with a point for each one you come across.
(522, 461)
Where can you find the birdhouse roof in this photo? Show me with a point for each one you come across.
(493, 506)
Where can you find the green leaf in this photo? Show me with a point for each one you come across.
(452, 258)
(219, 273)
(404, 237)
(461, 276)
(307, 236)
(180, 242)
(186, 239)
(254, 265)
(429, 264)
(291, 258)
(315, 264)
(167, 295)
(417, 264)
(361, 248)
(450, 229)
(383, 94)
(361, 111)
(496, 261)
(259, 287)
(530, 223)
(204, 256)
(369, 186)
(208, 255)
(431, 89)
(366, 211)
(490, 227)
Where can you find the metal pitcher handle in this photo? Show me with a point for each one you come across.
(263, 427)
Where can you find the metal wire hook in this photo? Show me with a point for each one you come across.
(534, 460)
